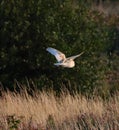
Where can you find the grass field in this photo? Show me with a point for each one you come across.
(45, 111)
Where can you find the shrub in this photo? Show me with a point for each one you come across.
(29, 27)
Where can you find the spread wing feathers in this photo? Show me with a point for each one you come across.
(58, 55)
(74, 57)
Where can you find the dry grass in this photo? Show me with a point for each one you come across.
(107, 7)
(45, 111)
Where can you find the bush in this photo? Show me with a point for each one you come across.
(29, 27)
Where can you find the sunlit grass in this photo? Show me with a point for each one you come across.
(45, 110)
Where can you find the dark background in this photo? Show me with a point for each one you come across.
(28, 27)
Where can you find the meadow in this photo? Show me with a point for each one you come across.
(36, 26)
(46, 111)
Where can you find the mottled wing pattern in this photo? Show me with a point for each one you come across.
(59, 55)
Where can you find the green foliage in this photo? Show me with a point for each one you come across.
(50, 123)
(29, 27)
(13, 122)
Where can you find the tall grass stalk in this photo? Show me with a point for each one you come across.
(45, 110)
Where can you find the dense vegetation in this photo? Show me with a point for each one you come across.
(45, 111)
(28, 27)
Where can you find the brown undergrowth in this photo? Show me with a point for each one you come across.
(45, 111)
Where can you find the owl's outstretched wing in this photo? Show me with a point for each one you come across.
(74, 57)
(58, 55)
